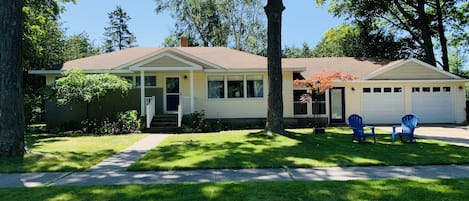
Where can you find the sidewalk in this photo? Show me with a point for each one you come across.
(277, 174)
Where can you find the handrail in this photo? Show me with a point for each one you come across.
(150, 110)
(180, 113)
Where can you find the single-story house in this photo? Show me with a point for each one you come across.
(231, 84)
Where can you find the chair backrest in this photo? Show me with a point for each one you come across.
(355, 121)
(409, 123)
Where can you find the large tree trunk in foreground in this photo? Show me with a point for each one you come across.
(273, 10)
(11, 90)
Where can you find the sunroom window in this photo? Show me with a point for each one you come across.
(255, 88)
(235, 86)
(150, 81)
(216, 87)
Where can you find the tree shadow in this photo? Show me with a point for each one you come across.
(299, 149)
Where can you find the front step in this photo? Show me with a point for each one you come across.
(164, 123)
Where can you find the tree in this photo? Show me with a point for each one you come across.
(424, 21)
(273, 10)
(360, 40)
(117, 34)
(230, 23)
(79, 46)
(296, 52)
(76, 87)
(11, 98)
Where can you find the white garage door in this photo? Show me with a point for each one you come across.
(433, 104)
(382, 105)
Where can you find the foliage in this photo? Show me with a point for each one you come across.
(196, 122)
(357, 40)
(123, 123)
(234, 23)
(300, 148)
(421, 21)
(297, 52)
(79, 46)
(75, 86)
(117, 34)
(322, 82)
(63, 153)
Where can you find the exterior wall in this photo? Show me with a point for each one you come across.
(166, 62)
(103, 108)
(411, 71)
(353, 98)
(239, 107)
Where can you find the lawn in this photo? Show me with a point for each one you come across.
(386, 189)
(50, 152)
(301, 148)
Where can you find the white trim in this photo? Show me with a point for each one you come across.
(142, 92)
(165, 54)
(49, 72)
(165, 109)
(401, 81)
(252, 70)
(389, 68)
(191, 77)
(165, 68)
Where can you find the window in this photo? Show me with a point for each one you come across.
(397, 90)
(425, 89)
(376, 90)
(319, 104)
(446, 89)
(366, 90)
(415, 89)
(235, 86)
(150, 81)
(255, 88)
(129, 79)
(216, 87)
(298, 106)
(387, 90)
(436, 89)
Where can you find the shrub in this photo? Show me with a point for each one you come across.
(125, 122)
(194, 122)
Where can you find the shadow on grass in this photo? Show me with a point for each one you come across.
(298, 149)
(388, 189)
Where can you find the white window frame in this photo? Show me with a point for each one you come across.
(225, 85)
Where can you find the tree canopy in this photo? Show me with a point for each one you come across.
(419, 21)
(117, 34)
(235, 23)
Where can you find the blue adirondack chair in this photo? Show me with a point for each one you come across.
(359, 134)
(408, 125)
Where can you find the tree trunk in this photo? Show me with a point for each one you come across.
(273, 10)
(441, 34)
(426, 33)
(11, 90)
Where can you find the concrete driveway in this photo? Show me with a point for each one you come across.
(454, 134)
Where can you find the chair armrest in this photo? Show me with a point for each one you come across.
(370, 127)
(394, 128)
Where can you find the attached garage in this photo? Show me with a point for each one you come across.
(433, 104)
(382, 105)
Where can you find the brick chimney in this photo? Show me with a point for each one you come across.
(184, 41)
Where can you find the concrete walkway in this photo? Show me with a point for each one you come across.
(122, 160)
(453, 134)
(277, 174)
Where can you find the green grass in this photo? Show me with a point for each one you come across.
(387, 189)
(248, 149)
(51, 152)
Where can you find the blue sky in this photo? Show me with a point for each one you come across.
(302, 21)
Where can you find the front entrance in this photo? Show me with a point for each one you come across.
(337, 105)
(171, 94)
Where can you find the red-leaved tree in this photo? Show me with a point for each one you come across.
(320, 83)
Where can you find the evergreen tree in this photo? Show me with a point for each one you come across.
(117, 34)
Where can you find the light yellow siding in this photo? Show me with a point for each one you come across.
(411, 71)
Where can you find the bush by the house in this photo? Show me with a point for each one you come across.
(196, 122)
(124, 122)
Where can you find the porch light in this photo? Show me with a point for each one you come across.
(185, 77)
(353, 88)
(460, 87)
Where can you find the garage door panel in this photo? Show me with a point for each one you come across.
(433, 107)
(382, 108)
